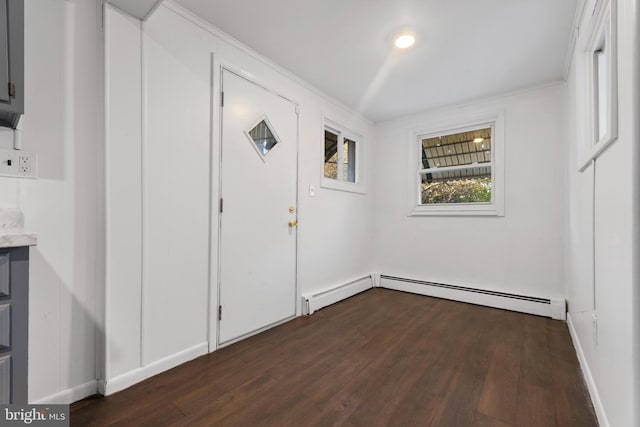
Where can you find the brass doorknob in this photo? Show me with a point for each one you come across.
(293, 223)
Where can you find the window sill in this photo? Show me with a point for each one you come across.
(350, 187)
(458, 210)
(598, 149)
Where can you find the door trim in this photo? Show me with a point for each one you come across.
(213, 310)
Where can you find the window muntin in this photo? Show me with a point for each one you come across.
(457, 167)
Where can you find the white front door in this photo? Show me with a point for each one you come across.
(258, 188)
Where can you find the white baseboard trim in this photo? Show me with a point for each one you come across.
(322, 298)
(375, 279)
(130, 378)
(554, 308)
(591, 384)
(66, 397)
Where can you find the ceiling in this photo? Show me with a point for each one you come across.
(465, 49)
(139, 8)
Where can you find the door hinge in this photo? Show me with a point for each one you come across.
(221, 205)
(12, 90)
(297, 109)
(222, 99)
(219, 312)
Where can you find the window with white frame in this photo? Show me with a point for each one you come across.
(459, 170)
(597, 70)
(601, 63)
(342, 151)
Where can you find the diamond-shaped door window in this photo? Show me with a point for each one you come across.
(263, 137)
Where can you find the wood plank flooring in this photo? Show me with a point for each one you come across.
(381, 358)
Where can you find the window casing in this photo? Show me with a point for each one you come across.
(597, 70)
(458, 169)
(263, 138)
(342, 167)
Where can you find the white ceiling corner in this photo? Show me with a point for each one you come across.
(138, 8)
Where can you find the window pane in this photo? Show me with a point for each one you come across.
(330, 155)
(349, 159)
(470, 184)
(602, 88)
(262, 136)
(464, 148)
(461, 189)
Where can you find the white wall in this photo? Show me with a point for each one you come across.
(177, 78)
(62, 123)
(161, 316)
(612, 362)
(123, 160)
(521, 252)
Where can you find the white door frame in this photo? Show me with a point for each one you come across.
(213, 307)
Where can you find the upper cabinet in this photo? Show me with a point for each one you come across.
(11, 62)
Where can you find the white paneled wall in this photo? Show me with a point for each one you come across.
(123, 160)
(177, 188)
(162, 317)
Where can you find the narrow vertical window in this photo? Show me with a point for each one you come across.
(601, 87)
(330, 155)
(598, 89)
(349, 160)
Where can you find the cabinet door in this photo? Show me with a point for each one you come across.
(5, 273)
(4, 52)
(5, 380)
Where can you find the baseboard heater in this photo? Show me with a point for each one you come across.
(554, 308)
(325, 297)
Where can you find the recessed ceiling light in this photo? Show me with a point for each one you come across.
(478, 140)
(404, 41)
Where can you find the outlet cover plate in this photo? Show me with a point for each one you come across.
(18, 164)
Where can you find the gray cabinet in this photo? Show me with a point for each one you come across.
(11, 62)
(14, 324)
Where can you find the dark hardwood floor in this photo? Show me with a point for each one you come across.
(381, 358)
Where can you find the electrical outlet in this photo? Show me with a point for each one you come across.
(17, 164)
(312, 191)
(24, 164)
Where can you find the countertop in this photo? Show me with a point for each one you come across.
(12, 233)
